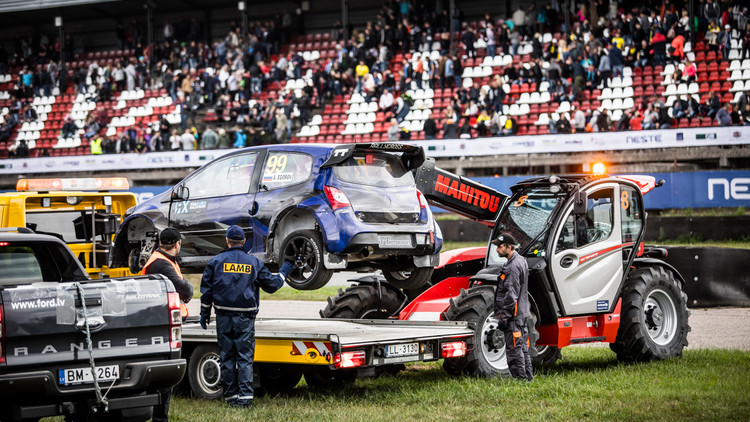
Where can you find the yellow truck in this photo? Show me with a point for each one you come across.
(83, 212)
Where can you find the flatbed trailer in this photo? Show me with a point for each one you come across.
(326, 351)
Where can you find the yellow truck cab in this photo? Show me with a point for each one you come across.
(83, 212)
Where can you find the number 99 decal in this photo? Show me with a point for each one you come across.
(276, 164)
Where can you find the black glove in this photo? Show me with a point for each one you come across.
(205, 320)
(286, 268)
(502, 325)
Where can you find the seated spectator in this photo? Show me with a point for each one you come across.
(510, 127)
(711, 105)
(745, 115)
(723, 115)
(679, 108)
(635, 121)
(483, 123)
(69, 129)
(464, 132)
(22, 151)
(650, 117)
(579, 119)
(450, 127)
(563, 125)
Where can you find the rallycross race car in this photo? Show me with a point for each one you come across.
(325, 207)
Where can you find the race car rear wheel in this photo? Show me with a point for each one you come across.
(304, 248)
(409, 279)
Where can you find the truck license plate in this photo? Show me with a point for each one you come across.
(406, 349)
(83, 375)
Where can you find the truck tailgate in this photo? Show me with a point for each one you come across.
(45, 324)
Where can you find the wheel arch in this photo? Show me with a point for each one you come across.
(127, 234)
(653, 262)
(311, 213)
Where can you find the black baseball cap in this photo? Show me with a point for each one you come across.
(169, 236)
(504, 238)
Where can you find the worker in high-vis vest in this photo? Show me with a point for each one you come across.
(231, 285)
(164, 261)
(96, 145)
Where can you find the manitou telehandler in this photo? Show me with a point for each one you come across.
(591, 279)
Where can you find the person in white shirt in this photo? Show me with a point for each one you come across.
(187, 141)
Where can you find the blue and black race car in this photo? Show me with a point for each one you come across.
(325, 207)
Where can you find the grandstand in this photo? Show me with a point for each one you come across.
(712, 62)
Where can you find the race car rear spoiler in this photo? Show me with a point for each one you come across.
(412, 156)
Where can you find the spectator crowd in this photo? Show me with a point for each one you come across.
(239, 86)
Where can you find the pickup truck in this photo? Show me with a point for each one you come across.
(86, 349)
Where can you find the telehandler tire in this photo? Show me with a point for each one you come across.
(653, 317)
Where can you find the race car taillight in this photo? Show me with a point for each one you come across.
(175, 321)
(453, 349)
(336, 198)
(422, 201)
(2, 336)
(349, 359)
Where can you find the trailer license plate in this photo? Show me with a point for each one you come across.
(83, 375)
(406, 349)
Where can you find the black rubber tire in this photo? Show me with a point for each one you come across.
(278, 378)
(361, 301)
(204, 372)
(409, 279)
(653, 317)
(475, 306)
(305, 249)
(322, 377)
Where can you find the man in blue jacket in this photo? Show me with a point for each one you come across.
(231, 284)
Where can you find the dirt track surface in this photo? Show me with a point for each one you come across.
(725, 328)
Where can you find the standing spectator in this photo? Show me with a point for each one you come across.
(235, 295)
(659, 48)
(579, 119)
(174, 141)
(430, 128)
(187, 141)
(280, 129)
(210, 139)
(393, 130)
(224, 141)
(616, 60)
(240, 138)
(723, 115)
(468, 38)
(489, 36)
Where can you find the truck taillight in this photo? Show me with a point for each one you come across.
(422, 200)
(453, 349)
(175, 321)
(350, 359)
(337, 198)
(2, 336)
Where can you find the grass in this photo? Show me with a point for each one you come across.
(587, 384)
(704, 212)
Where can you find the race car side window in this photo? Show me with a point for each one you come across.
(285, 168)
(228, 176)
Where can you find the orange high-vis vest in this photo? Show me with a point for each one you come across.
(158, 255)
